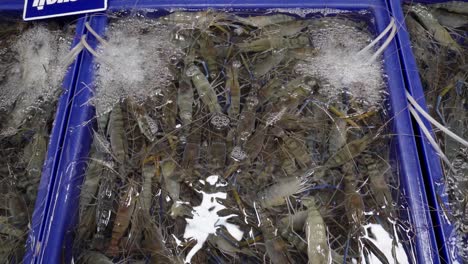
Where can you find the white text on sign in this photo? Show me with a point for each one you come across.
(41, 3)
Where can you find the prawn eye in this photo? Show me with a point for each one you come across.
(238, 154)
(236, 64)
(174, 59)
(191, 71)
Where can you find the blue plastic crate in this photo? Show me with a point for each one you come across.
(430, 160)
(53, 239)
(13, 10)
(14, 6)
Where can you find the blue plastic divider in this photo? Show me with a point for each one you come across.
(56, 239)
(54, 153)
(430, 160)
(52, 241)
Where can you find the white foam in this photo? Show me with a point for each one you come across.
(38, 69)
(135, 63)
(338, 66)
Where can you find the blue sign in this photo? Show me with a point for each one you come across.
(40, 9)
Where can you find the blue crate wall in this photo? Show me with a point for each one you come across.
(60, 217)
(430, 160)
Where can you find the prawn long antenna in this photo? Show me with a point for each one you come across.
(429, 136)
(391, 26)
(96, 35)
(84, 44)
(88, 47)
(444, 129)
(70, 57)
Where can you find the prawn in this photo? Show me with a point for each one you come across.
(122, 219)
(204, 88)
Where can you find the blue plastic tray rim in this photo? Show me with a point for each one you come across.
(58, 220)
(430, 160)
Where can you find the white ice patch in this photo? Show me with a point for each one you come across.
(393, 250)
(339, 67)
(206, 220)
(135, 63)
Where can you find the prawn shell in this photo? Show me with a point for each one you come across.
(295, 222)
(246, 125)
(318, 249)
(348, 152)
(171, 179)
(217, 153)
(460, 7)
(122, 220)
(263, 21)
(116, 131)
(232, 85)
(205, 90)
(276, 194)
(185, 101)
(148, 172)
(299, 151)
(277, 251)
(270, 62)
(440, 34)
